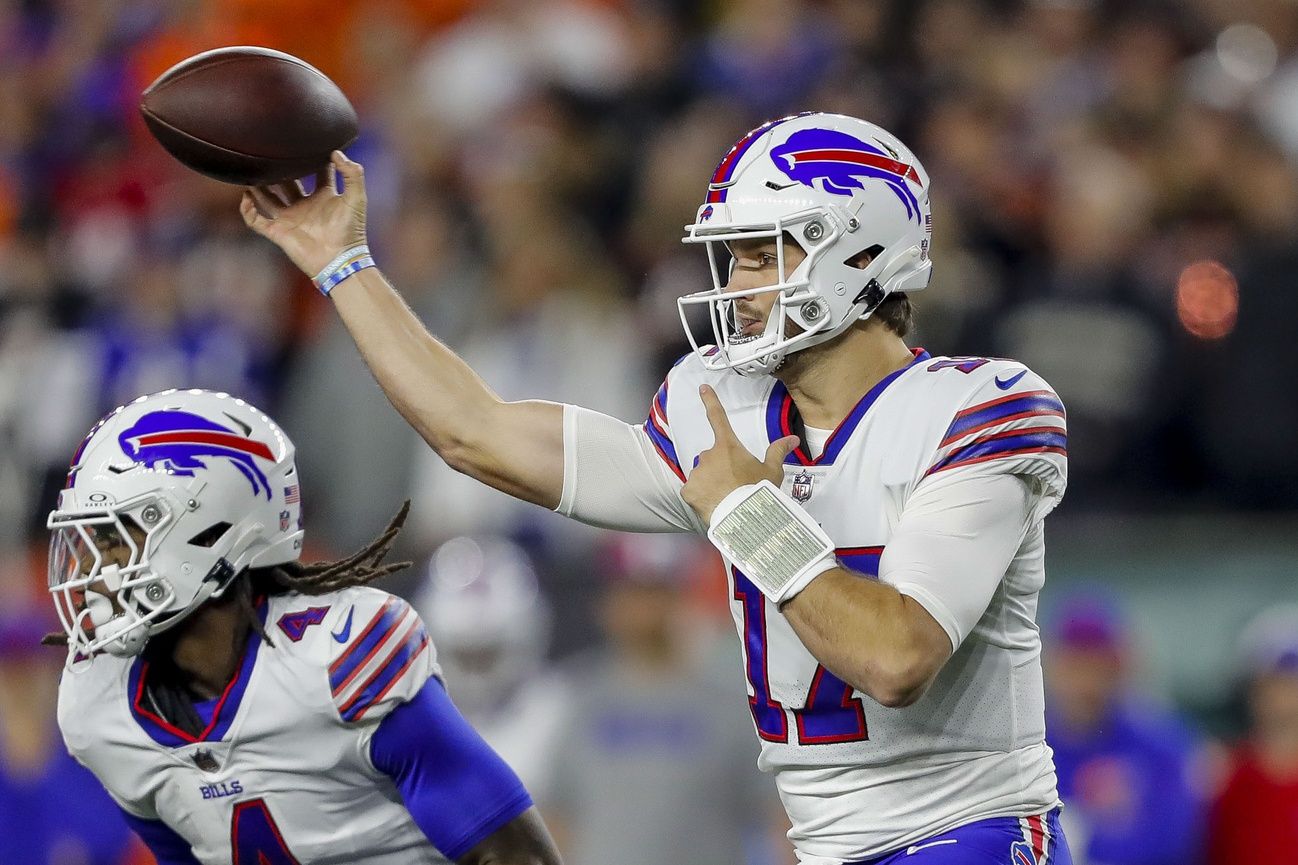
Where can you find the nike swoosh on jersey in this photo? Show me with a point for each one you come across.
(915, 848)
(346, 632)
(1011, 381)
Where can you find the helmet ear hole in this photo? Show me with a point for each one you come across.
(210, 535)
(863, 258)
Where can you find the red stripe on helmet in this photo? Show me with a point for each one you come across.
(209, 437)
(860, 157)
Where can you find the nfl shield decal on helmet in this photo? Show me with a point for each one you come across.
(802, 483)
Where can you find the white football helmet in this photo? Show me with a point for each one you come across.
(168, 499)
(484, 609)
(837, 187)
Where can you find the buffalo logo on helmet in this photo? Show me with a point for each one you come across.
(180, 442)
(706, 214)
(840, 161)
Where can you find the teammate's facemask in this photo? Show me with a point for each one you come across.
(168, 499)
(846, 191)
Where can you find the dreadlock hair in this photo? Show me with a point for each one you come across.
(316, 578)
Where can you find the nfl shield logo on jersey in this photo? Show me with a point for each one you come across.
(802, 487)
(204, 760)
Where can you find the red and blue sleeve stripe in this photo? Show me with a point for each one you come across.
(364, 647)
(1037, 403)
(386, 676)
(655, 427)
(1016, 442)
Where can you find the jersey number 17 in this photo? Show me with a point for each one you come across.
(831, 714)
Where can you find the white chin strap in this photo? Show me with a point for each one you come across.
(124, 639)
(755, 357)
(121, 635)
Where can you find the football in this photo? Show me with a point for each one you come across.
(248, 115)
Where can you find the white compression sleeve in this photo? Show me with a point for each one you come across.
(954, 543)
(613, 477)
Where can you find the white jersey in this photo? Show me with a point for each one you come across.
(284, 760)
(859, 779)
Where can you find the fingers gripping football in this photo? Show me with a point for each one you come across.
(311, 229)
(728, 465)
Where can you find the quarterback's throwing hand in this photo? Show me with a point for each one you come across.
(311, 229)
(728, 465)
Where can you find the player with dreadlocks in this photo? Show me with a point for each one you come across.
(241, 706)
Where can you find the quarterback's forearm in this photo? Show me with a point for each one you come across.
(514, 447)
(952, 547)
(871, 636)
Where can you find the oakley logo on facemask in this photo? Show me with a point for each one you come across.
(180, 441)
(839, 161)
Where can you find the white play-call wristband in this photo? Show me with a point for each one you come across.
(769, 537)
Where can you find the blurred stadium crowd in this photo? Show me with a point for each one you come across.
(1115, 201)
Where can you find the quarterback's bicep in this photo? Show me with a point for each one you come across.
(615, 475)
(954, 543)
(457, 790)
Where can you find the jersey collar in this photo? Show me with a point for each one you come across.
(781, 412)
(219, 714)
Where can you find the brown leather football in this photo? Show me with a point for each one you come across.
(248, 115)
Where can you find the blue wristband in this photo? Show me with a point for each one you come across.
(347, 263)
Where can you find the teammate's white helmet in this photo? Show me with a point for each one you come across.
(484, 609)
(837, 187)
(191, 488)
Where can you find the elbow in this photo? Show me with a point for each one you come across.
(459, 454)
(460, 445)
(899, 693)
(904, 679)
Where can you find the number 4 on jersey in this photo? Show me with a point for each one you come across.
(255, 838)
(831, 714)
